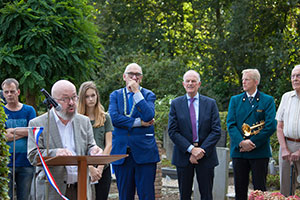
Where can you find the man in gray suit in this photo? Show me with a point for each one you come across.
(70, 133)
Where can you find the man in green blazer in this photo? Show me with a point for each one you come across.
(250, 149)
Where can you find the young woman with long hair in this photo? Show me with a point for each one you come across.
(89, 105)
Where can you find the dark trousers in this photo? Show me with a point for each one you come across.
(71, 191)
(103, 185)
(241, 170)
(132, 176)
(205, 178)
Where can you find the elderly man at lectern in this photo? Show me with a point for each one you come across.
(70, 134)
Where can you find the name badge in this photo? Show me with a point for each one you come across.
(259, 110)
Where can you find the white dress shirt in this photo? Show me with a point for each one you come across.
(67, 138)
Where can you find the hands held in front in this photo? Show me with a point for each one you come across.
(64, 152)
(246, 145)
(96, 151)
(196, 154)
(289, 156)
(133, 86)
(147, 123)
(96, 173)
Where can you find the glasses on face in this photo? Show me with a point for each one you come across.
(10, 91)
(294, 76)
(68, 99)
(132, 74)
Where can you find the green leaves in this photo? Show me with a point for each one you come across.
(56, 39)
(4, 156)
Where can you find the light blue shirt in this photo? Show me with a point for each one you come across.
(196, 106)
(137, 97)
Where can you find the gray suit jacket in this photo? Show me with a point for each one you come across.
(84, 141)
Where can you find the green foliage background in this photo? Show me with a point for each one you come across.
(44, 41)
(79, 40)
(218, 38)
(4, 156)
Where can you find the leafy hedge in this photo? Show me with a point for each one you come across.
(4, 153)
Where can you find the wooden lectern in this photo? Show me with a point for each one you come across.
(82, 162)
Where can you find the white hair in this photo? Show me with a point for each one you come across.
(255, 75)
(131, 65)
(192, 71)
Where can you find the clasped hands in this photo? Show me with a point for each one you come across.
(286, 154)
(246, 145)
(196, 154)
(96, 172)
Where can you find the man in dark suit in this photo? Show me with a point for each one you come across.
(250, 152)
(132, 112)
(194, 128)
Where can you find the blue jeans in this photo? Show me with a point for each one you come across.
(23, 178)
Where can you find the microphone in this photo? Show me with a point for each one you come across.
(50, 99)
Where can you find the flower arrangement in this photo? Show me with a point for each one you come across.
(260, 195)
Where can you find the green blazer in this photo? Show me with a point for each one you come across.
(241, 111)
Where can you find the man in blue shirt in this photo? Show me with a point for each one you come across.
(18, 115)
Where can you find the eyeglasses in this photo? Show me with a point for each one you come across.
(68, 99)
(132, 74)
(294, 76)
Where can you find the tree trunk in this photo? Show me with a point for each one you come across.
(31, 100)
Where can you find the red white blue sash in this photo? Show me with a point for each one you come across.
(36, 133)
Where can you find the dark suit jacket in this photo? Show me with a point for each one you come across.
(241, 111)
(141, 140)
(180, 130)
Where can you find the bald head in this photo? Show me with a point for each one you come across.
(62, 87)
(133, 66)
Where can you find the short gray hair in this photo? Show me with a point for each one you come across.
(9, 81)
(192, 71)
(255, 75)
(296, 67)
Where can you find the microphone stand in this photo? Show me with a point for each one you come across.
(47, 102)
(14, 159)
(14, 164)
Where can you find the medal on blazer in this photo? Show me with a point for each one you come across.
(125, 104)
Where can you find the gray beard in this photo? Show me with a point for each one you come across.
(66, 116)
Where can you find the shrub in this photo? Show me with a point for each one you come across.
(273, 182)
(4, 157)
(162, 108)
